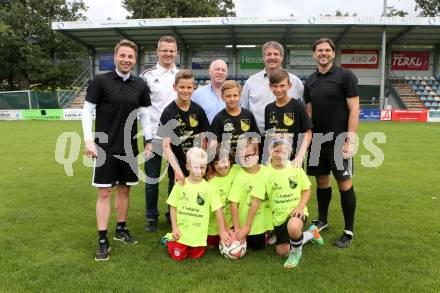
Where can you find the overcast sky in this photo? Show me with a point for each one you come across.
(102, 9)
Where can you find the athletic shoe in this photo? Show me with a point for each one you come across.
(344, 241)
(320, 225)
(293, 260)
(167, 238)
(317, 239)
(151, 225)
(103, 251)
(124, 236)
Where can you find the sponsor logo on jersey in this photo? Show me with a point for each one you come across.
(156, 81)
(275, 186)
(228, 127)
(245, 124)
(193, 120)
(201, 198)
(273, 118)
(292, 182)
(289, 119)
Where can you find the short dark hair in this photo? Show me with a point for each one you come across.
(126, 43)
(278, 76)
(183, 74)
(324, 40)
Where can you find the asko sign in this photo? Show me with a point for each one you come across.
(360, 58)
(409, 60)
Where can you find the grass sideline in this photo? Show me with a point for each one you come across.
(49, 238)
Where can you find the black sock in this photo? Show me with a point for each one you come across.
(102, 234)
(348, 204)
(121, 226)
(324, 197)
(296, 244)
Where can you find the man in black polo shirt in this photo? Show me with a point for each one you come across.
(117, 97)
(332, 100)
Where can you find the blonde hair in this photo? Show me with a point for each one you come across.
(230, 84)
(196, 154)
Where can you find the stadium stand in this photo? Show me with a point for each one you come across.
(418, 92)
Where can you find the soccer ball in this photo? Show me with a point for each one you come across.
(234, 251)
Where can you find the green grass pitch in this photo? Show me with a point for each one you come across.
(48, 234)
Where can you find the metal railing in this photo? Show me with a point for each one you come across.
(75, 88)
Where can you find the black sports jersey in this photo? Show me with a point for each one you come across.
(328, 95)
(189, 125)
(233, 126)
(115, 100)
(289, 120)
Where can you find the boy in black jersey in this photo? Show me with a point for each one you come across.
(234, 120)
(191, 121)
(287, 118)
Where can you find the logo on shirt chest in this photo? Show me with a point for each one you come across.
(193, 121)
(156, 81)
(228, 127)
(245, 124)
(289, 119)
(292, 182)
(273, 119)
(201, 198)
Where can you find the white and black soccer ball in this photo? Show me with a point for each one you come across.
(236, 250)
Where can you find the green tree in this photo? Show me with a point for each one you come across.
(428, 7)
(394, 12)
(178, 8)
(31, 53)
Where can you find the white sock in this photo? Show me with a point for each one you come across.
(307, 236)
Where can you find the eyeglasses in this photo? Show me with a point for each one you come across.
(168, 51)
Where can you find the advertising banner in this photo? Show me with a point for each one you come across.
(202, 59)
(409, 60)
(43, 114)
(409, 115)
(106, 61)
(359, 58)
(251, 59)
(434, 116)
(74, 114)
(10, 114)
(302, 58)
(150, 59)
(369, 115)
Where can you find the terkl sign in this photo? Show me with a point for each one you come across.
(409, 60)
(360, 58)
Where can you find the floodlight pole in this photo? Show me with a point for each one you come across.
(383, 63)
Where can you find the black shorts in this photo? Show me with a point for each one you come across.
(115, 171)
(329, 162)
(281, 231)
(257, 241)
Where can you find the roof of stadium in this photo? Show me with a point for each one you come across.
(239, 31)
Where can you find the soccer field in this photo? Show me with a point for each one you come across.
(49, 236)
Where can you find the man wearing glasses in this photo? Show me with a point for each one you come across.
(160, 80)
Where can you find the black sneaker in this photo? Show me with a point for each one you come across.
(151, 225)
(344, 241)
(322, 226)
(124, 236)
(103, 251)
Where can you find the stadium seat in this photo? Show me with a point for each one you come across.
(423, 98)
(427, 104)
(419, 78)
(435, 104)
(438, 92)
(430, 98)
(437, 98)
(428, 88)
(425, 93)
(415, 88)
(407, 78)
(432, 78)
(434, 87)
(419, 93)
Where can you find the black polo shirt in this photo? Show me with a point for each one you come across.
(328, 95)
(115, 99)
(289, 120)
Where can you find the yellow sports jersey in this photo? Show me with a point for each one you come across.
(222, 185)
(194, 204)
(284, 188)
(246, 186)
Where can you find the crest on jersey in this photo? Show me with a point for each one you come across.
(245, 124)
(201, 198)
(180, 122)
(193, 120)
(292, 182)
(289, 119)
